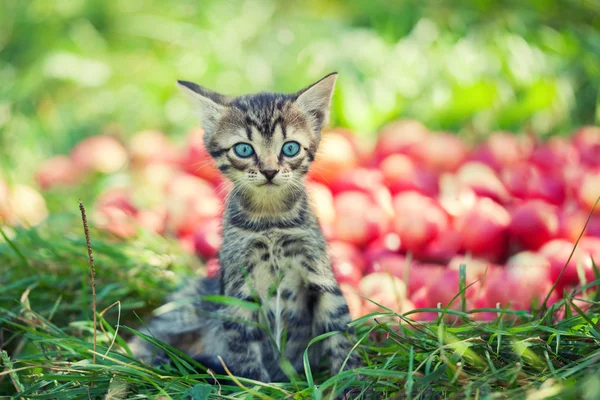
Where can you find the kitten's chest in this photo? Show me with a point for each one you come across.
(278, 270)
(279, 278)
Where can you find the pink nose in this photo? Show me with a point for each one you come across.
(269, 173)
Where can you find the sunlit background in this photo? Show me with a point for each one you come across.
(74, 68)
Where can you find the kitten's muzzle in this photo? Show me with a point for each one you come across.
(269, 173)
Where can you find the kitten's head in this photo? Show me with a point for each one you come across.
(266, 141)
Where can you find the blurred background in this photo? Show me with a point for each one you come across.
(73, 68)
(463, 134)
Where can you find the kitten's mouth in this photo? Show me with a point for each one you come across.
(268, 184)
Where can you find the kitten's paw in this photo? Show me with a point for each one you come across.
(257, 374)
(354, 393)
(349, 394)
(142, 351)
(210, 362)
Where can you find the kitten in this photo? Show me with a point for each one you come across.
(273, 250)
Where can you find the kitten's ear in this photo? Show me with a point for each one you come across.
(316, 99)
(209, 105)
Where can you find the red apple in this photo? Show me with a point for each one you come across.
(441, 152)
(484, 230)
(24, 206)
(321, 200)
(398, 137)
(58, 171)
(382, 282)
(115, 212)
(151, 146)
(197, 161)
(363, 147)
(483, 180)
(445, 287)
(153, 219)
(420, 299)
(455, 198)
(393, 264)
(556, 154)
(345, 272)
(117, 197)
(341, 251)
(593, 228)
(212, 268)
(116, 221)
(587, 142)
(582, 304)
(347, 262)
(208, 239)
(103, 154)
(366, 180)
(4, 196)
(526, 181)
(150, 182)
(402, 174)
(441, 249)
(355, 302)
(476, 268)
(571, 220)
(524, 282)
(590, 246)
(503, 149)
(190, 200)
(422, 275)
(407, 306)
(533, 270)
(418, 220)
(589, 191)
(384, 289)
(557, 252)
(505, 290)
(335, 156)
(359, 220)
(534, 223)
(360, 179)
(186, 241)
(386, 244)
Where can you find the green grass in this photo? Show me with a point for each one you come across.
(47, 334)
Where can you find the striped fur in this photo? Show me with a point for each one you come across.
(273, 251)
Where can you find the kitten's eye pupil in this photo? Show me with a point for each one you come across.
(243, 150)
(290, 149)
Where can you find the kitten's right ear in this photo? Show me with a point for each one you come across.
(316, 99)
(209, 105)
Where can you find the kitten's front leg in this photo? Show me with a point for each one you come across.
(244, 343)
(331, 314)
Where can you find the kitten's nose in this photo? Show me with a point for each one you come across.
(269, 173)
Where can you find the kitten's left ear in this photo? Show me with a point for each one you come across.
(210, 105)
(316, 99)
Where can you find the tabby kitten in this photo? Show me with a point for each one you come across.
(273, 251)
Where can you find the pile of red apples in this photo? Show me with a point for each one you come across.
(401, 213)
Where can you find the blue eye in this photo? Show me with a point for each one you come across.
(290, 149)
(243, 150)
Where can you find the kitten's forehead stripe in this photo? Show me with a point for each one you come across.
(248, 130)
(264, 111)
